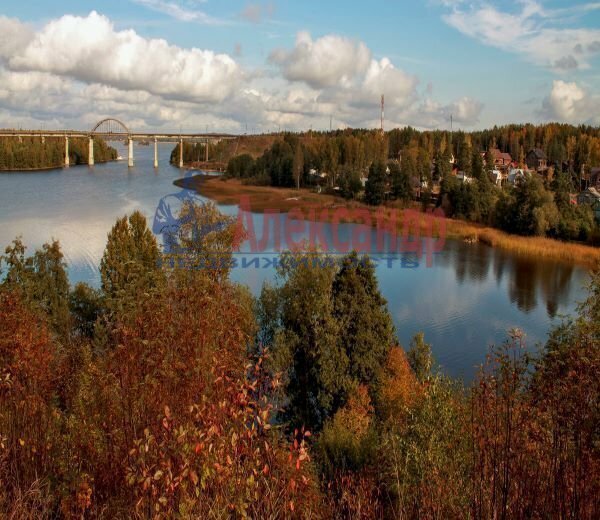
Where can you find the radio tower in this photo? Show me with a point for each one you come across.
(382, 111)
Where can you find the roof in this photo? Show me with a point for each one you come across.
(594, 192)
(539, 153)
(498, 155)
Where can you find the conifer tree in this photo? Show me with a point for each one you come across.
(375, 186)
(130, 264)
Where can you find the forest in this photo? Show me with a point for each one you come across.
(30, 153)
(406, 166)
(171, 392)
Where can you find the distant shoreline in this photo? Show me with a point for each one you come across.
(263, 198)
(48, 168)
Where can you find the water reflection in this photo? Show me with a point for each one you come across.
(529, 282)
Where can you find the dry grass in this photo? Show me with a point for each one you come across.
(31, 504)
(312, 205)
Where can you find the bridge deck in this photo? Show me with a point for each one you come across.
(136, 136)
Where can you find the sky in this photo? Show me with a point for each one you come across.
(259, 66)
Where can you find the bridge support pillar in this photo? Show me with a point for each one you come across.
(206, 150)
(67, 160)
(91, 152)
(155, 153)
(130, 155)
(181, 153)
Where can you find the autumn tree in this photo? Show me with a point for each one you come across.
(205, 241)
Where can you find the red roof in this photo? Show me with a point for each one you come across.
(502, 157)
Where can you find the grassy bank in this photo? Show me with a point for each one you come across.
(312, 205)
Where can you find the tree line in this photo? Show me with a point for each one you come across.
(171, 392)
(30, 153)
(406, 165)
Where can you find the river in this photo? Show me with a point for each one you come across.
(468, 299)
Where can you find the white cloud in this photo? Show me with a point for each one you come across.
(530, 33)
(569, 102)
(328, 61)
(185, 12)
(465, 110)
(89, 49)
(14, 35)
(75, 71)
(344, 81)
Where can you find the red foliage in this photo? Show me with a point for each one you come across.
(27, 380)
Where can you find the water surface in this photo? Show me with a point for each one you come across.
(468, 299)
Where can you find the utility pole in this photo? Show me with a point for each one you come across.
(330, 123)
(382, 112)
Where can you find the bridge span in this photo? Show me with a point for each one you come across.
(114, 130)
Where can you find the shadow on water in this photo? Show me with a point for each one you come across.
(530, 282)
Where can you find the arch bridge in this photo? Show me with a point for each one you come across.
(112, 129)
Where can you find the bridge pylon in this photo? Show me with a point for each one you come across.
(130, 154)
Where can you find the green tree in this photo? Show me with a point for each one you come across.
(529, 209)
(477, 168)
(420, 357)
(350, 184)
(465, 158)
(130, 264)
(298, 164)
(490, 161)
(366, 328)
(306, 345)
(376, 183)
(241, 166)
(42, 281)
(401, 187)
(442, 167)
(86, 305)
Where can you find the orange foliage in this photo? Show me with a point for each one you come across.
(400, 388)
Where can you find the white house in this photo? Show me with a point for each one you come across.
(464, 178)
(497, 177)
(517, 175)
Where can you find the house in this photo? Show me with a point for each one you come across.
(517, 175)
(498, 177)
(536, 160)
(464, 178)
(591, 196)
(502, 160)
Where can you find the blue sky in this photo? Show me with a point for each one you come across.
(283, 64)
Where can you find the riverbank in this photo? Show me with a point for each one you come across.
(49, 168)
(313, 205)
